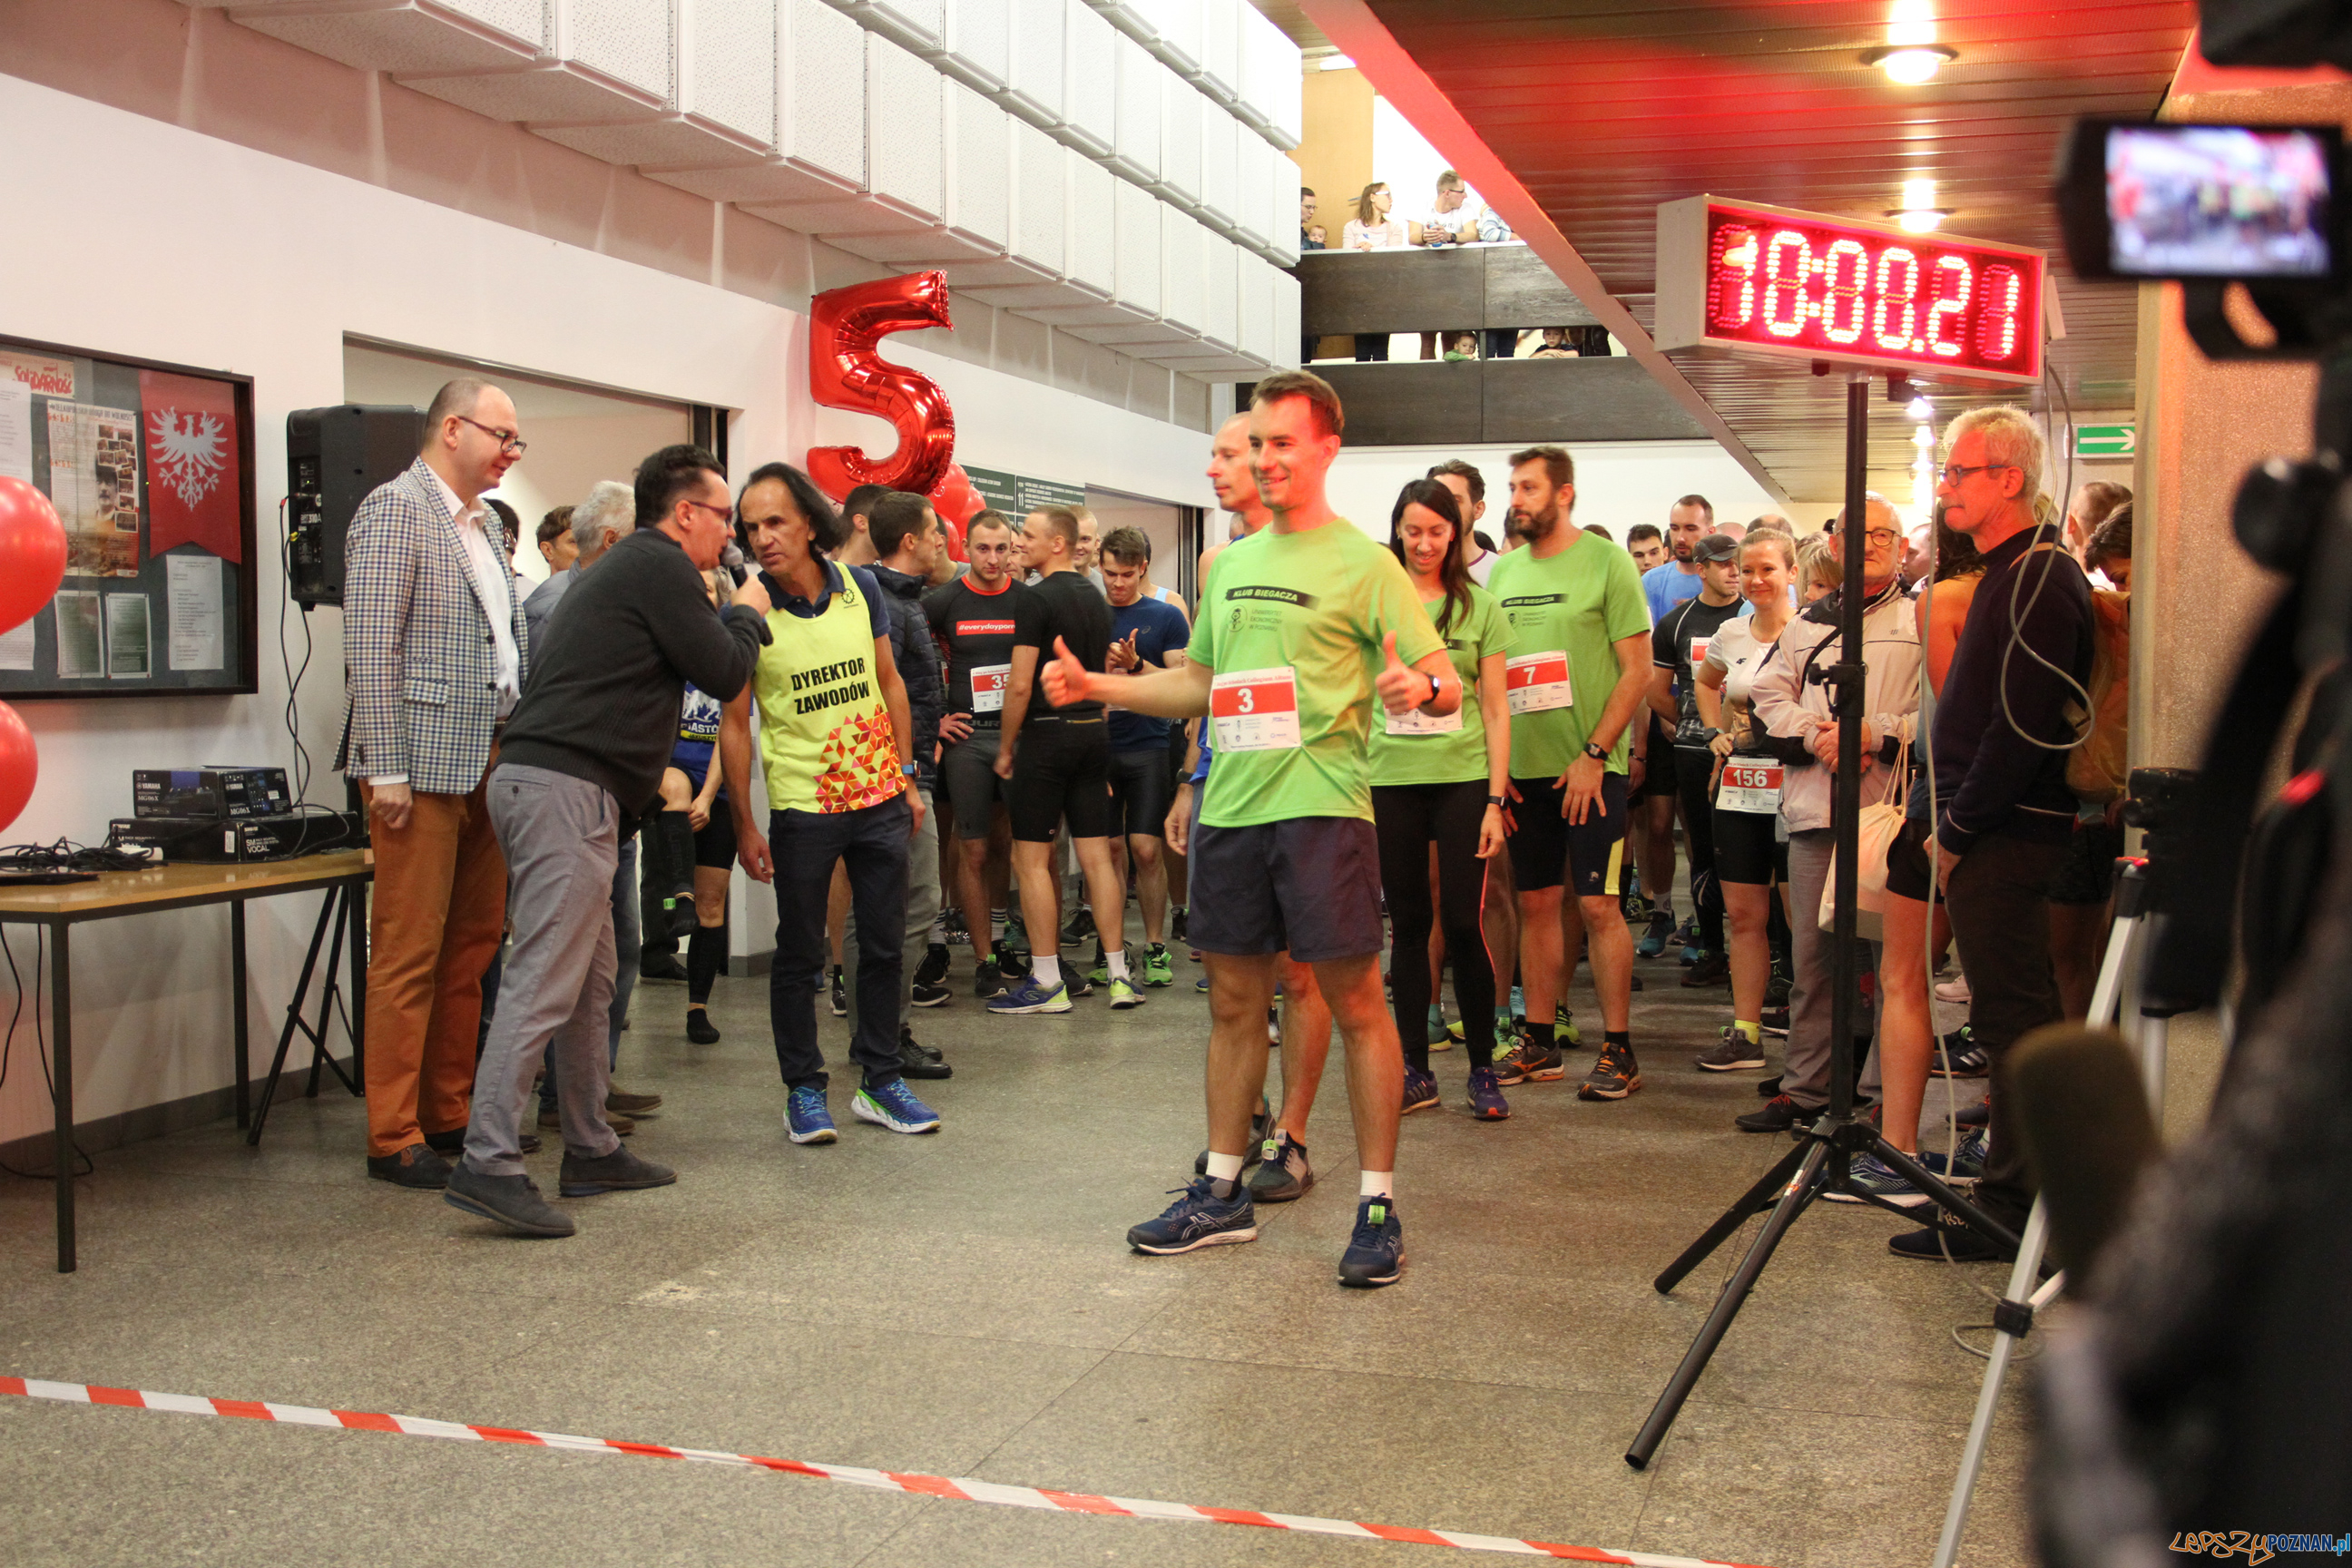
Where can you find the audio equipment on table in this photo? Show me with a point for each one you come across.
(217, 789)
(216, 840)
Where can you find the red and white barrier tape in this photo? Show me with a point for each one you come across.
(959, 1487)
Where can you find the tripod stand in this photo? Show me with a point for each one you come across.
(2115, 1000)
(1821, 1159)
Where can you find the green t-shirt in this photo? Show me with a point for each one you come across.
(1580, 602)
(1305, 615)
(1448, 749)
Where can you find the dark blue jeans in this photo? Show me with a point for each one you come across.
(871, 847)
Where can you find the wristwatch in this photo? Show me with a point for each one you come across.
(1434, 688)
(1494, 800)
(910, 770)
(1598, 753)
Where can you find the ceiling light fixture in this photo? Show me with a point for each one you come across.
(1912, 55)
(1923, 437)
(1921, 409)
(1919, 214)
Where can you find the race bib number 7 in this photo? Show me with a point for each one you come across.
(1255, 710)
(988, 684)
(1535, 682)
(1752, 787)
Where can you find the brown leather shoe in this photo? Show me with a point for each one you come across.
(629, 1104)
(416, 1166)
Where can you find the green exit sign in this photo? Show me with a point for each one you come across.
(2106, 441)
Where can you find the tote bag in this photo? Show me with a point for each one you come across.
(1880, 823)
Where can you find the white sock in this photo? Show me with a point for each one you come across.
(995, 927)
(1117, 957)
(1373, 1184)
(1048, 968)
(1225, 1167)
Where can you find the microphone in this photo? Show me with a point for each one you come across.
(2084, 1123)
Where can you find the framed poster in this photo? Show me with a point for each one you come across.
(149, 467)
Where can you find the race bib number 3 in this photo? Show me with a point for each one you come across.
(1537, 682)
(1753, 787)
(988, 684)
(1255, 710)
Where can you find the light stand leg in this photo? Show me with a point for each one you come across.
(2118, 989)
(2020, 1286)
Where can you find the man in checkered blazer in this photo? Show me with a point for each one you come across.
(435, 653)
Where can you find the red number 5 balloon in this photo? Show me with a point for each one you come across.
(844, 372)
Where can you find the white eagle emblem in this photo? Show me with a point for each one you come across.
(191, 452)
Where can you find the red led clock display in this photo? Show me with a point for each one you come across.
(1800, 284)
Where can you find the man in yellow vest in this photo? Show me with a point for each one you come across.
(836, 749)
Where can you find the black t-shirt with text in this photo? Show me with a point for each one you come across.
(977, 630)
(1687, 627)
(1064, 605)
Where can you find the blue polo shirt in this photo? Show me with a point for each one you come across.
(1160, 629)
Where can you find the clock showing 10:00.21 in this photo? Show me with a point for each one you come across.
(1756, 278)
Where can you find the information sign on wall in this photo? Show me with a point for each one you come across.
(1018, 495)
(2106, 441)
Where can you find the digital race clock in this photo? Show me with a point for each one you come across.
(1736, 275)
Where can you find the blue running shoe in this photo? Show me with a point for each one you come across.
(1198, 1218)
(1420, 1090)
(1031, 997)
(1869, 1174)
(1653, 941)
(1487, 1102)
(1375, 1254)
(806, 1120)
(893, 1105)
(1968, 1160)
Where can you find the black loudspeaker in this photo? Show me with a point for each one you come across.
(334, 457)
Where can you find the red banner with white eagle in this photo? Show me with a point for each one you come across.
(193, 482)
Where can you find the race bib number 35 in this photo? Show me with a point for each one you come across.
(1752, 787)
(988, 684)
(1255, 710)
(1537, 682)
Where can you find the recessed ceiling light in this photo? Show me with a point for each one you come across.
(1923, 439)
(1921, 408)
(1919, 220)
(1910, 65)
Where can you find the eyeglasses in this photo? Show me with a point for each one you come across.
(1883, 537)
(725, 514)
(507, 439)
(1953, 473)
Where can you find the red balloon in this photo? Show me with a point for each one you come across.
(955, 499)
(19, 764)
(32, 553)
(845, 371)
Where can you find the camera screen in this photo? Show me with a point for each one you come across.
(2217, 201)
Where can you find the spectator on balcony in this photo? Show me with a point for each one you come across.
(1314, 238)
(1373, 229)
(1310, 233)
(1452, 219)
(1461, 346)
(1556, 344)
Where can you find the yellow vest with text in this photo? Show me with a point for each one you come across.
(825, 738)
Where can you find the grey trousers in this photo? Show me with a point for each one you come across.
(922, 908)
(1806, 1078)
(561, 838)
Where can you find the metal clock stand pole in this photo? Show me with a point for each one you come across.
(1820, 1161)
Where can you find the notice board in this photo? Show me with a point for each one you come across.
(149, 467)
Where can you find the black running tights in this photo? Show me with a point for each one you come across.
(1408, 817)
(1694, 771)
